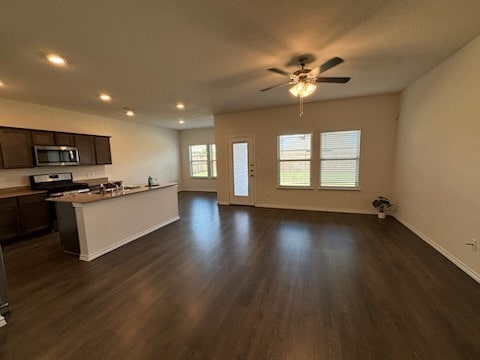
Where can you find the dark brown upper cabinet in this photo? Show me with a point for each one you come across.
(43, 138)
(62, 139)
(16, 148)
(103, 154)
(86, 149)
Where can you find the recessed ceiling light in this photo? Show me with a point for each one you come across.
(181, 106)
(2, 83)
(56, 59)
(105, 97)
(181, 122)
(129, 111)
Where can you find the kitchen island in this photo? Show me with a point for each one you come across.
(93, 224)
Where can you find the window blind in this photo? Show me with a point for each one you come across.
(294, 158)
(340, 158)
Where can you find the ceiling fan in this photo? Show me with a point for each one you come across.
(304, 80)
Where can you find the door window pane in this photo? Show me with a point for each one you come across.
(240, 169)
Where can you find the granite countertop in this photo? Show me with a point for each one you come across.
(85, 198)
(18, 191)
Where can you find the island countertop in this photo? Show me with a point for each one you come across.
(85, 198)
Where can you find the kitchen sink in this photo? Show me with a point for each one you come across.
(97, 192)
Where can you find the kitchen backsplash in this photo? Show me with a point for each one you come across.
(20, 177)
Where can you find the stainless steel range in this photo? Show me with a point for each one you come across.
(57, 184)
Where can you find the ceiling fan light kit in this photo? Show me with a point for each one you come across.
(304, 80)
(302, 89)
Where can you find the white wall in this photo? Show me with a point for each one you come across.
(137, 150)
(195, 137)
(437, 177)
(374, 115)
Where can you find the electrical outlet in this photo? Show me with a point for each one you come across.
(473, 243)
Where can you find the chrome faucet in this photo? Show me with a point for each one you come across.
(104, 187)
(118, 187)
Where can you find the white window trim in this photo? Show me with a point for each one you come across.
(209, 162)
(338, 188)
(289, 187)
(293, 187)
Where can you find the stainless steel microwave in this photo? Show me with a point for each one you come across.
(55, 155)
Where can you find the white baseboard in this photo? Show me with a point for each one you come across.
(470, 272)
(313, 208)
(96, 254)
(200, 190)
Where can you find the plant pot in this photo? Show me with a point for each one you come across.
(381, 215)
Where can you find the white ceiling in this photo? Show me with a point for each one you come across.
(213, 55)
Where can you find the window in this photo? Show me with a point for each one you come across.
(213, 160)
(198, 161)
(294, 157)
(203, 161)
(340, 159)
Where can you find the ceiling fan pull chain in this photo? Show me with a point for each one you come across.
(301, 106)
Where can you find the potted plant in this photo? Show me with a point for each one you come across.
(381, 204)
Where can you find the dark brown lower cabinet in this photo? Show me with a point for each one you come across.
(9, 219)
(23, 215)
(33, 213)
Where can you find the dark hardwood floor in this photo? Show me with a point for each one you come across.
(244, 283)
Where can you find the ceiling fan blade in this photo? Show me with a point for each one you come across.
(330, 64)
(280, 71)
(337, 80)
(274, 86)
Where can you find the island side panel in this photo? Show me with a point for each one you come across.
(106, 225)
(67, 227)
